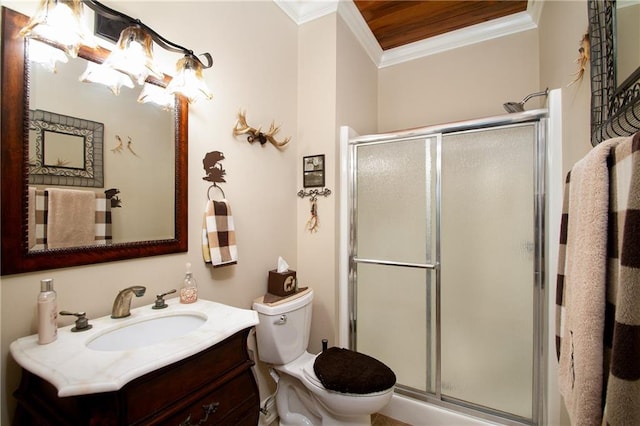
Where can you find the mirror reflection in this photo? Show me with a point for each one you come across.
(64, 150)
(152, 185)
(137, 155)
(627, 36)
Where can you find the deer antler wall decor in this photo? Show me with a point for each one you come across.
(242, 128)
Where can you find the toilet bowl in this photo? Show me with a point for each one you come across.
(301, 397)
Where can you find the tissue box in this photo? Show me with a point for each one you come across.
(282, 283)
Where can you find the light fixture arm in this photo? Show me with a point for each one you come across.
(113, 14)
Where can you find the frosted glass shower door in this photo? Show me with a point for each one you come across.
(394, 252)
(487, 255)
(446, 240)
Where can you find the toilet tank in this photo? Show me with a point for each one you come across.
(283, 332)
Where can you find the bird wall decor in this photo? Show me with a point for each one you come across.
(213, 168)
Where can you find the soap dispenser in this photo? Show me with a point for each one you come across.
(189, 290)
(47, 312)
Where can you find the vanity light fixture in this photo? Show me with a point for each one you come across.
(131, 59)
(60, 22)
(133, 55)
(157, 95)
(113, 79)
(189, 81)
(46, 55)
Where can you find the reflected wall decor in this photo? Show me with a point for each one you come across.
(65, 150)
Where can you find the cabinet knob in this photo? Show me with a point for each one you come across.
(208, 409)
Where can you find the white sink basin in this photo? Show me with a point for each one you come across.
(116, 351)
(147, 332)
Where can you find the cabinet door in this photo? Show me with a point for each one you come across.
(234, 403)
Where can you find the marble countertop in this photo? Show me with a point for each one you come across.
(74, 369)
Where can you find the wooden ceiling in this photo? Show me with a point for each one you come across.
(396, 23)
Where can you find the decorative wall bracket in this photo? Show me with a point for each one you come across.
(214, 170)
(314, 193)
(242, 128)
(313, 223)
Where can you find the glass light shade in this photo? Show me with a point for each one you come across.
(189, 81)
(133, 55)
(60, 22)
(45, 55)
(157, 95)
(111, 78)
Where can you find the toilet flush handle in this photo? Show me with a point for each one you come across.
(282, 320)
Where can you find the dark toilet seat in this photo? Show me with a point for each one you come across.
(346, 371)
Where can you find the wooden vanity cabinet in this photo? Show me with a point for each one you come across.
(218, 380)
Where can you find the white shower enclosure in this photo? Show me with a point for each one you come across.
(446, 228)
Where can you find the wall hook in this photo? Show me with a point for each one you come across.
(314, 193)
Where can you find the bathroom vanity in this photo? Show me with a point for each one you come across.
(213, 383)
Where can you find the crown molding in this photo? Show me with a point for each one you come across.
(489, 30)
(358, 26)
(301, 11)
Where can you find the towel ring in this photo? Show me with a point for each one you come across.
(214, 186)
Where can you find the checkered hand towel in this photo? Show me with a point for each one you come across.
(218, 235)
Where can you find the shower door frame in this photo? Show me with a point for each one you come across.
(540, 121)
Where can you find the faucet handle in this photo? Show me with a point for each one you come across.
(160, 303)
(82, 323)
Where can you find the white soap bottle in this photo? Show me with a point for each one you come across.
(189, 290)
(47, 312)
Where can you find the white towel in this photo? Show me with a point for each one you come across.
(218, 235)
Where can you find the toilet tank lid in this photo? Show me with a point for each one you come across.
(282, 306)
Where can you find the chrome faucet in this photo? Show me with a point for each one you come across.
(122, 303)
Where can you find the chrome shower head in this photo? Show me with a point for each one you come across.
(512, 107)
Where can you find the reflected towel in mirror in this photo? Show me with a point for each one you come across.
(71, 218)
(40, 217)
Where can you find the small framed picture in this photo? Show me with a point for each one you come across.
(313, 171)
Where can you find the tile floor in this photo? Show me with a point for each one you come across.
(381, 420)
(376, 420)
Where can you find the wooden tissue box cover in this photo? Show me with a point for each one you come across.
(282, 283)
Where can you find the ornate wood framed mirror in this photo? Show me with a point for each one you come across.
(16, 255)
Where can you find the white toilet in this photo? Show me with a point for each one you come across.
(301, 398)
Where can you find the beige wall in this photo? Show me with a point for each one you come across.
(311, 79)
(469, 82)
(255, 52)
(316, 135)
(562, 25)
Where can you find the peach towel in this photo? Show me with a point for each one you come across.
(71, 219)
